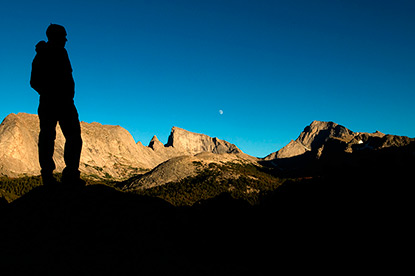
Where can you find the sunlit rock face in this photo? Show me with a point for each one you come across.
(108, 151)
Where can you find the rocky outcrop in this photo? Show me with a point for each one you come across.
(317, 133)
(193, 143)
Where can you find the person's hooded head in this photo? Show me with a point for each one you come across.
(56, 35)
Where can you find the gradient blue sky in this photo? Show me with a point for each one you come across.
(272, 66)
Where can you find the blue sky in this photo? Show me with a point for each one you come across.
(272, 66)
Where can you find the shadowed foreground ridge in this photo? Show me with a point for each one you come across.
(100, 231)
(317, 224)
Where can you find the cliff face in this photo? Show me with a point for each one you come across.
(18, 145)
(193, 143)
(108, 151)
(316, 134)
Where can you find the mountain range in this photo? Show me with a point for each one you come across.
(330, 199)
(110, 152)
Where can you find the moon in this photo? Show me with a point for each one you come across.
(220, 111)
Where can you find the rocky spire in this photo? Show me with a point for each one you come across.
(155, 143)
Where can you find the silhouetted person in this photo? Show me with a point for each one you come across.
(52, 78)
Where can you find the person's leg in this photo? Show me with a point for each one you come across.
(69, 122)
(46, 144)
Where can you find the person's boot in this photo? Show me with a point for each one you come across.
(72, 180)
(49, 181)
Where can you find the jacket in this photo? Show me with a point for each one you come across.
(51, 74)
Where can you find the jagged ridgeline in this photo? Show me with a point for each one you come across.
(109, 152)
(191, 167)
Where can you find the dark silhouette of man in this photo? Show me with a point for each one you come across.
(52, 78)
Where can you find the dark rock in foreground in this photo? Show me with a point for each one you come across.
(314, 224)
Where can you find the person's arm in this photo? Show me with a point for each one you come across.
(36, 76)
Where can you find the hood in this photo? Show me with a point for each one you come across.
(42, 45)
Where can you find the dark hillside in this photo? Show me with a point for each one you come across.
(353, 213)
(302, 226)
